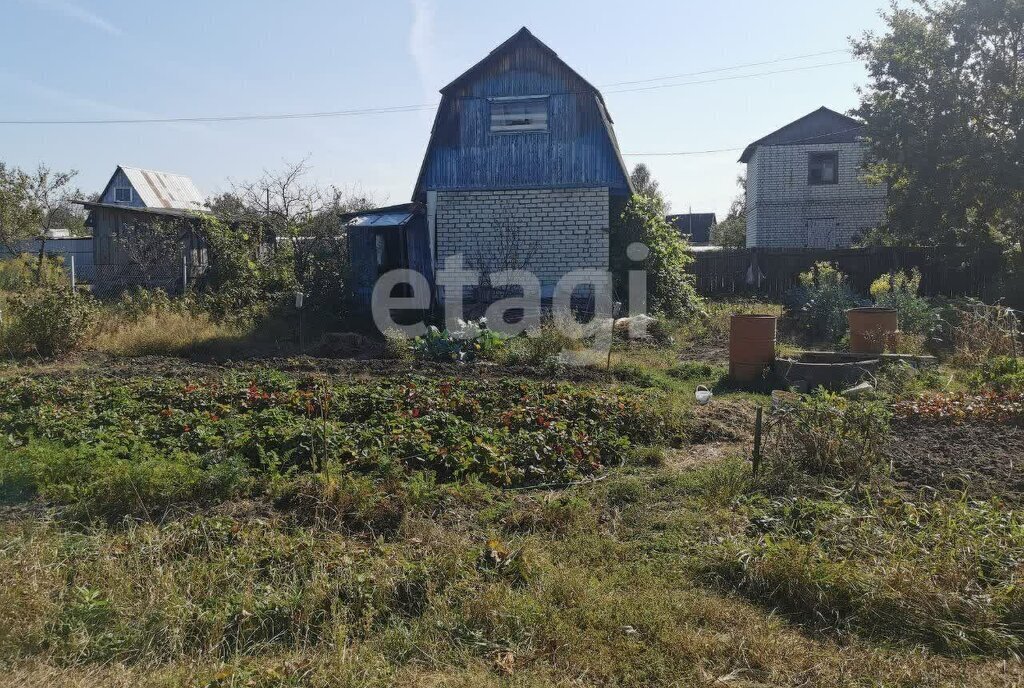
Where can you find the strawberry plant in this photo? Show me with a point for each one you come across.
(249, 428)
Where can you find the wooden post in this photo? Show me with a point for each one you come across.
(300, 302)
(756, 457)
(1014, 327)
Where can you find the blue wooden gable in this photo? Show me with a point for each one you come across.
(120, 180)
(578, 149)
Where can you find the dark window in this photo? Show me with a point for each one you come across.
(122, 195)
(519, 114)
(823, 168)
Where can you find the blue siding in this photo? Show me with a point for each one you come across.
(576, 151)
(121, 180)
(362, 243)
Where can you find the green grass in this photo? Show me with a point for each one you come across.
(943, 574)
(477, 586)
(182, 525)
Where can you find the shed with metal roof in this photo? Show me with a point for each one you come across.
(145, 230)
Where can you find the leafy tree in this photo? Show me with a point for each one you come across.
(944, 111)
(33, 203)
(153, 247)
(670, 288)
(644, 184)
(19, 217)
(732, 231)
(245, 282)
(274, 234)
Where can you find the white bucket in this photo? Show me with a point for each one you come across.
(703, 395)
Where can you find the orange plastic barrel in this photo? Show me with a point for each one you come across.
(872, 329)
(751, 346)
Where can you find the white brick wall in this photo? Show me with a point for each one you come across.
(566, 228)
(782, 208)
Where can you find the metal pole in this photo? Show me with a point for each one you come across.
(184, 273)
(72, 273)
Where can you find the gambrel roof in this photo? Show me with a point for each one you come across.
(582, 149)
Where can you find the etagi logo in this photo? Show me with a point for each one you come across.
(521, 294)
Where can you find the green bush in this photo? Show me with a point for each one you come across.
(536, 349)
(48, 322)
(1003, 374)
(898, 290)
(819, 303)
(670, 288)
(250, 277)
(25, 272)
(138, 303)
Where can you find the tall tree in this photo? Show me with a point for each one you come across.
(945, 120)
(52, 193)
(19, 217)
(33, 203)
(732, 231)
(644, 184)
(284, 230)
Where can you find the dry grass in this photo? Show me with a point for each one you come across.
(163, 333)
(980, 332)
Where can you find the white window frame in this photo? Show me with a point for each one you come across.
(130, 191)
(533, 127)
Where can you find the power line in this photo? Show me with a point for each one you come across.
(392, 109)
(229, 118)
(739, 148)
(727, 69)
(730, 78)
(694, 152)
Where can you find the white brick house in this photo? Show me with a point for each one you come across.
(522, 142)
(559, 230)
(806, 186)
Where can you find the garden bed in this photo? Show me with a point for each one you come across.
(985, 460)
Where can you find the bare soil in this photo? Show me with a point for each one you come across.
(166, 366)
(983, 460)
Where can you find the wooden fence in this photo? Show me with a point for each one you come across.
(772, 272)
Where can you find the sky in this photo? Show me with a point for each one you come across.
(130, 59)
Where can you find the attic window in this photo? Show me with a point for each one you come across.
(122, 194)
(823, 168)
(512, 115)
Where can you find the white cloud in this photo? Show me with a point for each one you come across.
(422, 44)
(79, 14)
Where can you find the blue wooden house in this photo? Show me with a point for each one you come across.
(522, 171)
